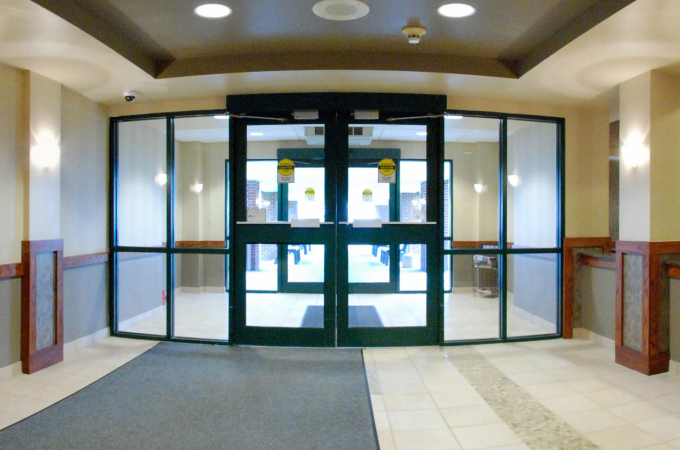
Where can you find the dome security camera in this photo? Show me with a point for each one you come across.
(130, 96)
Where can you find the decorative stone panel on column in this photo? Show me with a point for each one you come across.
(643, 305)
(42, 292)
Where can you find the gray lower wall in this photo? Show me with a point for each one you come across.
(463, 272)
(196, 271)
(10, 321)
(140, 282)
(535, 284)
(597, 291)
(85, 301)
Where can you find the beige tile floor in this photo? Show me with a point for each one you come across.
(24, 395)
(421, 401)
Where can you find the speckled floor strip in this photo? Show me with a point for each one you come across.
(539, 428)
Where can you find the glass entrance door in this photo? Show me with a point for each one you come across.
(334, 244)
(384, 246)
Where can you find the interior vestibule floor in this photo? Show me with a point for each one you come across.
(425, 397)
(206, 315)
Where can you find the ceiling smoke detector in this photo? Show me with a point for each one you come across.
(341, 9)
(413, 33)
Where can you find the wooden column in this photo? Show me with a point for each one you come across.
(643, 305)
(569, 250)
(42, 292)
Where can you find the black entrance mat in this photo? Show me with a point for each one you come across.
(359, 316)
(197, 396)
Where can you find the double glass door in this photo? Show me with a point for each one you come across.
(334, 243)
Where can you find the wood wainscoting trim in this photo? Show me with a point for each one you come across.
(85, 260)
(200, 244)
(568, 276)
(674, 270)
(11, 270)
(603, 262)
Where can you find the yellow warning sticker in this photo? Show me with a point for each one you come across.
(286, 167)
(387, 167)
(368, 193)
(387, 171)
(309, 192)
(286, 171)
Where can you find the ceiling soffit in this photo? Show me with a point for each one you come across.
(166, 40)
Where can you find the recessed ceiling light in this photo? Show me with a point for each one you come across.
(450, 117)
(212, 11)
(421, 133)
(340, 9)
(222, 117)
(257, 134)
(456, 10)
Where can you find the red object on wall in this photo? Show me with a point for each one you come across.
(164, 297)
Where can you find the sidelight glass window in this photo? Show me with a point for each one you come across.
(141, 184)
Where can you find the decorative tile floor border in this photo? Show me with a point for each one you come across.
(539, 428)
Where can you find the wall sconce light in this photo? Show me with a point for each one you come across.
(196, 187)
(423, 201)
(161, 179)
(266, 203)
(479, 187)
(45, 153)
(634, 152)
(513, 180)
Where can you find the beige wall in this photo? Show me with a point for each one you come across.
(11, 163)
(634, 186)
(84, 175)
(665, 157)
(43, 212)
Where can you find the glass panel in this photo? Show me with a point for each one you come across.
(532, 167)
(387, 310)
(413, 191)
(306, 263)
(262, 189)
(447, 199)
(307, 196)
(369, 194)
(369, 263)
(532, 294)
(472, 143)
(298, 309)
(201, 303)
(142, 176)
(44, 299)
(201, 153)
(304, 146)
(367, 199)
(471, 310)
(448, 275)
(141, 288)
(412, 267)
(261, 267)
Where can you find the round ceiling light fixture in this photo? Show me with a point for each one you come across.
(413, 33)
(340, 9)
(212, 11)
(456, 10)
